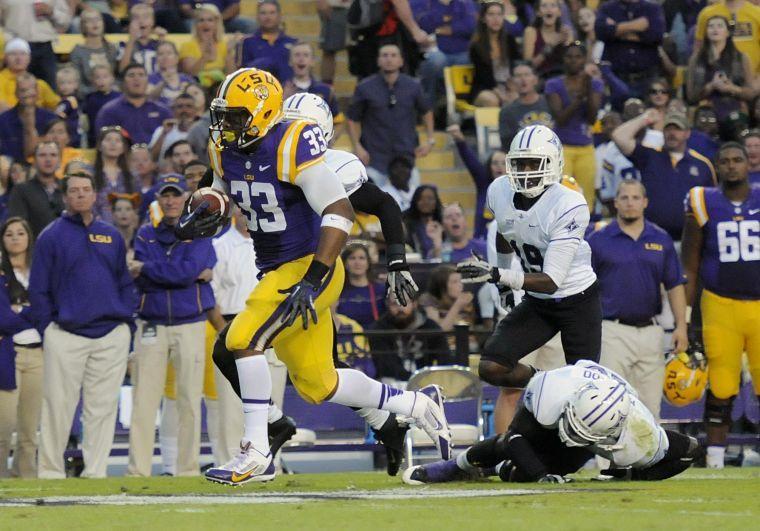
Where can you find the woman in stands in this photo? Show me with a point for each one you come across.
(205, 54)
(492, 53)
(658, 97)
(124, 208)
(446, 302)
(167, 82)
(482, 175)
(363, 297)
(111, 169)
(574, 100)
(720, 73)
(423, 222)
(545, 40)
(20, 353)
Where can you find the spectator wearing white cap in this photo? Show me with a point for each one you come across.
(18, 55)
(37, 22)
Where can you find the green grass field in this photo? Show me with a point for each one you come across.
(698, 499)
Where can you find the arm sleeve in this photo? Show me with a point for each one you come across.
(640, 155)
(477, 170)
(321, 186)
(127, 289)
(358, 105)
(656, 17)
(61, 14)
(175, 273)
(673, 275)
(40, 295)
(694, 205)
(17, 205)
(370, 199)
(11, 323)
(566, 234)
(604, 30)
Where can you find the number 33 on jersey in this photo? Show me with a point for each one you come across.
(731, 254)
(262, 184)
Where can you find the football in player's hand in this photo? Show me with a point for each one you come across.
(218, 202)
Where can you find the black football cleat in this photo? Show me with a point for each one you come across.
(280, 432)
(392, 434)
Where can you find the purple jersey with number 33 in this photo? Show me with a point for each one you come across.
(281, 222)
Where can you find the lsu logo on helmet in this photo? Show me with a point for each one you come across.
(248, 104)
(685, 378)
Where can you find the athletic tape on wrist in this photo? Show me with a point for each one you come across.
(337, 222)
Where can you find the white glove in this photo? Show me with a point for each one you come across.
(476, 270)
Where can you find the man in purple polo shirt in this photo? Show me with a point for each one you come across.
(132, 110)
(21, 126)
(269, 48)
(668, 174)
(632, 257)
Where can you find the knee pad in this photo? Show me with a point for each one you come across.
(718, 410)
(224, 359)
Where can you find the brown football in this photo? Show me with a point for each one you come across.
(217, 201)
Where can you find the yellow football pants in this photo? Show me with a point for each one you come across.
(580, 162)
(307, 353)
(730, 327)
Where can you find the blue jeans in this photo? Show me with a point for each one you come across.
(430, 72)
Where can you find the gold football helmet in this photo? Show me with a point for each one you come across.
(685, 378)
(248, 104)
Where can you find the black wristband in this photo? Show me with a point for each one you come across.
(316, 272)
(395, 254)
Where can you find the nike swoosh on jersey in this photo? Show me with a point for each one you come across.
(753, 211)
(263, 168)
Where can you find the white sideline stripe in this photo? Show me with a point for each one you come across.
(273, 497)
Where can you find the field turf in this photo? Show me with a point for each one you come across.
(699, 499)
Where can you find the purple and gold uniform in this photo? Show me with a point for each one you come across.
(730, 273)
(285, 232)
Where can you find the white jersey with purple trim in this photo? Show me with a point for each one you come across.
(542, 235)
(350, 170)
(642, 441)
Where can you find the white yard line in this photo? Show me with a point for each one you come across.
(294, 497)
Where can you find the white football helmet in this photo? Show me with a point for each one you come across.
(595, 414)
(537, 143)
(310, 107)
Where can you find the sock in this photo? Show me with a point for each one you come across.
(374, 417)
(463, 463)
(716, 455)
(274, 413)
(256, 390)
(359, 390)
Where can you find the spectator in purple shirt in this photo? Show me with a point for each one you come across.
(457, 246)
(111, 170)
(482, 175)
(141, 48)
(22, 125)
(103, 84)
(574, 99)
(452, 22)
(362, 298)
(133, 111)
(632, 32)
(269, 47)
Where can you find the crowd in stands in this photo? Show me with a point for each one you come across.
(99, 146)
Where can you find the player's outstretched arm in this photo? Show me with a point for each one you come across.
(372, 200)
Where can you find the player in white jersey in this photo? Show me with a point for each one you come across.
(543, 223)
(569, 415)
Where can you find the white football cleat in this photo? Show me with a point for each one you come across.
(428, 415)
(248, 465)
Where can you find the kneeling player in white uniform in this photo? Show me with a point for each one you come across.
(543, 223)
(364, 197)
(567, 416)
